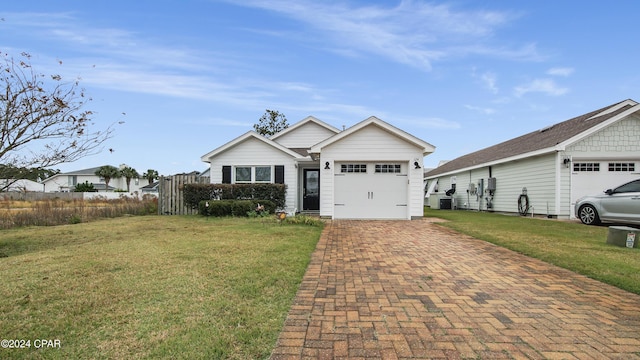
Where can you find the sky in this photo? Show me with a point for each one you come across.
(177, 79)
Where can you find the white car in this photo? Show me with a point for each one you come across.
(618, 205)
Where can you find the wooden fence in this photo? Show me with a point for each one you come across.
(171, 194)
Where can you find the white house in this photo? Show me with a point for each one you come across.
(549, 169)
(20, 185)
(66, 182)
(371, 170)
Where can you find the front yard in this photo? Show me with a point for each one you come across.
(181, 287)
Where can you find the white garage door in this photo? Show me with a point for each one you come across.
(593, 177)
(371, 191)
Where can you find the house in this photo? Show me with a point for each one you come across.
(19, 185)
(66, 182)
(371, 170)
(545, 171)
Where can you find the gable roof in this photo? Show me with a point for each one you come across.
(552, 138)
(302, 122)
(248, 135)
(426, 147)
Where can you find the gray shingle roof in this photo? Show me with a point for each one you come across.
(533, 141)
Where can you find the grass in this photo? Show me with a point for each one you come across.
(183, 287)
(574, 246)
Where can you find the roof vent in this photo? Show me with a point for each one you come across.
(546, 128)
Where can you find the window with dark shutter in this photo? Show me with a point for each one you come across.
(279, 170)
(226, 174)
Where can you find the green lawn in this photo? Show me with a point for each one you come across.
(571, 245)
(182, 287)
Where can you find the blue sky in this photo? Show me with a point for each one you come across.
(188, 76)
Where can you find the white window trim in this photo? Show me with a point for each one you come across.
(253, 174)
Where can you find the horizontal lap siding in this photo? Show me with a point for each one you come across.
(371, 144)
(253, 152)
(305, 136)
(536, 174)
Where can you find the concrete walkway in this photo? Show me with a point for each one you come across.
(413, 290)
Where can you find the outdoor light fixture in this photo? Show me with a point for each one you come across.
(415, 163)
(326, 166)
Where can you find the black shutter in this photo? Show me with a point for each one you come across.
(279, 174)
(226, 174)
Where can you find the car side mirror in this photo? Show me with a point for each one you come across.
(608, 191)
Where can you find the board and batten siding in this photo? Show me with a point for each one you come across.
(253, 152)
(304, 136)
(371, 144)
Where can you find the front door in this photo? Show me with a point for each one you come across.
(311, 189)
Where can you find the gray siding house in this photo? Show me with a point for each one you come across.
(544, 172)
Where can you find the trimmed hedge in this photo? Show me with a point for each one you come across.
(194, 194)
(233, 207)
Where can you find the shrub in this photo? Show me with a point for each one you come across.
(233, 207)
(85, 187)
(194, 194)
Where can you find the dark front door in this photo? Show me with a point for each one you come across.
(311, 189)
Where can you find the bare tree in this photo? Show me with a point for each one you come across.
(42, 120)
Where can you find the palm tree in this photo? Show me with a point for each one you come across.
(151, 175)
(129, 173)
(108, 172)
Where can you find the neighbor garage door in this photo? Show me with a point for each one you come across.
(371, 191)
(595, 176)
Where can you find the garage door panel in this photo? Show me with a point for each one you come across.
(594, 178)
(371, 196)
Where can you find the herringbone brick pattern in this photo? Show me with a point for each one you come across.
(413, 290)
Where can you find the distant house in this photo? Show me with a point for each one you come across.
(550, 168)
(20, 185)
(371, 170)
(66, 182)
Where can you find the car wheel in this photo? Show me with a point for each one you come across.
(588, 215)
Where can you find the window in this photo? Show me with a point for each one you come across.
(263, 173)
(243, 174)
(633, 186)
(586, 166)
(626, 167)
(388, 168)
(353, 168)
(72, 180)
(252, 174)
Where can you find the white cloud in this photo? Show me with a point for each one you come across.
(489, 79)
(545, 86)
(414, 33)
(486, 111)
(560, 71)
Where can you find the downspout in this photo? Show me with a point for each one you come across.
(558, 190)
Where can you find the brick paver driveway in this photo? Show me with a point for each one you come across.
(412, 289)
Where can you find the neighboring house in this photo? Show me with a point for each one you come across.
(554, 166)
(66, 182)
(150, 188)
(20, 185)
(371, 170)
